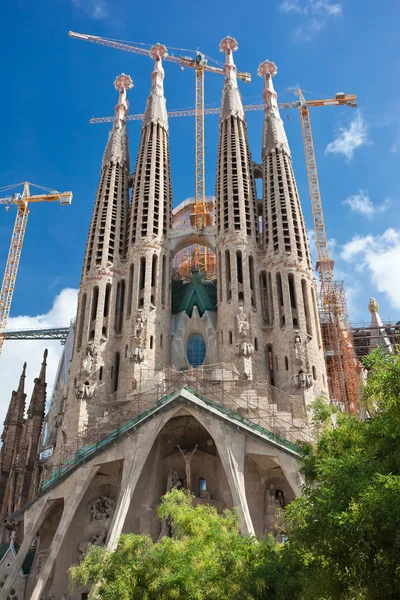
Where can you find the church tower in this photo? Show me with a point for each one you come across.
(10, 439)
(239, 314)
(95, 361)
(148, 312)
(294, 350)
(29, 447)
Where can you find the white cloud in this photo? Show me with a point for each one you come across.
(380, 257)
(361, 203)
(316, 14)
(393, 148)
(95, 9)
(15, 353)
(347, 140)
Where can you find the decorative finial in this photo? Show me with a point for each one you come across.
(158, 51)
(373, 306)
(123, 82)
(228, 44)
(45, 354)
(267, 68)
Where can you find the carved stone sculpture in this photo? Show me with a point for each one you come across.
(102, 508)
(373, 306)
(303, 380)
(85, 390)
(138, 329)
(298, 349)
(273, 504)
(138, 355)
(242, 322)
(245, 349)
(98, 539)
(87, 362)
(187, 457)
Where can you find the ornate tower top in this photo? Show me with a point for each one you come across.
(231, 103)
(156, 110)
(274, 135)
(117, 145)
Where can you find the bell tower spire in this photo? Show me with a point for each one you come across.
(147, 332)
(94, 374)
(237, 227)
(295, 356)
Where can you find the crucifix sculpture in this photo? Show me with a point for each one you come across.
(187, 457)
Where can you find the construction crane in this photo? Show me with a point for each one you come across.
(339, 100)
(22, 202)
(201, 216)
(341, 354)
(342, 367)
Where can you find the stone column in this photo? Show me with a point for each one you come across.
(231, 449)
(39, 512)
(71, 503)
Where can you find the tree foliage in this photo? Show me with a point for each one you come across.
(344, 532)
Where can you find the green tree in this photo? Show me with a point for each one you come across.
(207, 559)
(345, 529)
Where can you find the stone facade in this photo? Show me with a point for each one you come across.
(197, 382)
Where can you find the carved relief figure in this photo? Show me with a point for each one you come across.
(139, 325)
(243, 324)
(187, 457)
(373, 306)
(273, 503)
(138, 355)
(298, 349)
(245, 349)
(87, 362)
(101, 509)
(98, 539)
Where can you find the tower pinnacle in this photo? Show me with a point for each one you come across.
(274, 135)
(231, 103)
(156, 110)
(21, 385)
(117, 145)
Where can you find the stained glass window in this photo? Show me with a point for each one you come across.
(196, 350)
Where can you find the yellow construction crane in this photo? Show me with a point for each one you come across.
(22, 202)
(339, 100)
(200, 64)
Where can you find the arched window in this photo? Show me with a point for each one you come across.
(196, 350)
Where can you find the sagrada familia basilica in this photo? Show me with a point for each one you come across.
(201, 382)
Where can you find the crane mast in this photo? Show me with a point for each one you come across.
(17, 239)
(341, 364)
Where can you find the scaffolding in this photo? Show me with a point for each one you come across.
(255, 404)
(340, 354)
(195, 256)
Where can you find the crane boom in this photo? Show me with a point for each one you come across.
(17, 240)
(200, 64)
(348, 100)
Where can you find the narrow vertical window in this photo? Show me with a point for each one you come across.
(286, 363)
(239, 266)
(230, 337)
(142, 279)
(163, 279)
(106, 310)
(293, 300)
(119, 306)
(219, 282)
(316, 320)
(270, 299)
(270, 365)
(81, 322)
(130, 290)
(252, 283)
(115, 372)
(264, 296)
(306, 304)
(161, 340)
(228, 275)
(93, 312)
(154, 279)
(281, 307)
(151, 342)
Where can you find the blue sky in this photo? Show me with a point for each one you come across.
(52, 85)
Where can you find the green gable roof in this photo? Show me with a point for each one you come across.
(187, 294)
